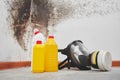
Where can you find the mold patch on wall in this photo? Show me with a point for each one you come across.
(38, 13)
(20, 13)
(45, 14)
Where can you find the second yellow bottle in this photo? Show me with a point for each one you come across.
(51, 55)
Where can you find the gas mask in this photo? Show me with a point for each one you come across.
(79, 56)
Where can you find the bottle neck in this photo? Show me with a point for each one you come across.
(50, 41)
(51, 38)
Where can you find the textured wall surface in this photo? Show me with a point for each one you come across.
(95, 22)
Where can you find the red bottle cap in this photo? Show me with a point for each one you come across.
(36, 31)
(51, 37)
(38, 42)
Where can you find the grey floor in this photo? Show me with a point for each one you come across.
(65, 74)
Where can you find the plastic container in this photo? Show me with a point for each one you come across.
(38, 57)
(37, 36)
(101, 60)
(51, 55)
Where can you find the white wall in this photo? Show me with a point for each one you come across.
(97, 25)
(97, 33)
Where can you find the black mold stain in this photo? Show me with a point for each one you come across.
(45, 13)
(20, 13)
(40, 13)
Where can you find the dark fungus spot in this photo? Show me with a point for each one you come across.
(40, 12)
(20, 13)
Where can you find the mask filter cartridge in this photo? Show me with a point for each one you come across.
(101, 60)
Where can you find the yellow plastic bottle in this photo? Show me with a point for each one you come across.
(51, 55)
(38, 57)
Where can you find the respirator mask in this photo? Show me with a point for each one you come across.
(79, 56)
